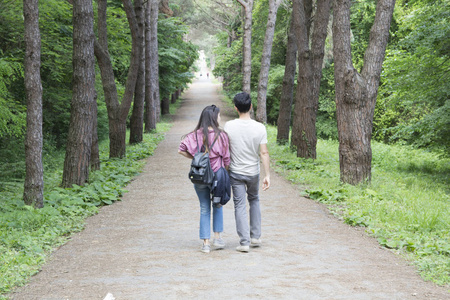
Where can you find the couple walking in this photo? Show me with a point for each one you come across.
(239, 147)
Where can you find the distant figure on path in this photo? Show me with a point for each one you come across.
(248, 145)
(207, 75)
(208, 126)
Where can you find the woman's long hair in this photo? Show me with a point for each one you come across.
(209, 118)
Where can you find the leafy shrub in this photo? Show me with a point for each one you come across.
(28, 235)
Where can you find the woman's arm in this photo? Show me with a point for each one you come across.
(185, 154)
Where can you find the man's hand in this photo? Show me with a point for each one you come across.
(265, 159)
(266, 183)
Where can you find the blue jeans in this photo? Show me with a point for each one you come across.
(204, 196)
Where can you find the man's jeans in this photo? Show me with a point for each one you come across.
(241, 186)
(203, 193)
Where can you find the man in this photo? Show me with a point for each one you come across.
(248, 145)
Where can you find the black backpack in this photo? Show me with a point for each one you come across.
(201, 171)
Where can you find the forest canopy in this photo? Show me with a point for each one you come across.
(413, 103)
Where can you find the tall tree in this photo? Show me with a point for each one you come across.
(150, 109)
(137, 116)
(287, 93)
(247, 45)
(310, 59)
(117, 112)
(79, 141)
(34, 177)
(154, 61)
(261, 113)
(356, 93)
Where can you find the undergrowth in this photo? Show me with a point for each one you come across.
(406, 206)
(28, 235)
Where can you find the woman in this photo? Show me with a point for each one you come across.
(208, 126)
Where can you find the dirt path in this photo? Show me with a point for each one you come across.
(147, 246)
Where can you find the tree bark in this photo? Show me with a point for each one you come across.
(154, 59)
(33, 193)
(117, 112)
(356, 93)
(137, 116)
(261, 113)
(287, 93)
(247, 45)
(165, 106)
(150, 111)
(310, 60)
(79, 141)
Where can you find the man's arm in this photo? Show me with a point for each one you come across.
(265, 159)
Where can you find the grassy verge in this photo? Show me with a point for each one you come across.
(406, 207)
(28, 235)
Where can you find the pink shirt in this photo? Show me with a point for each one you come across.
(219, 155)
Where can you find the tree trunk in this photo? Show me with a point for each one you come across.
(285, 111)
(356, 93)
(154, 59)
(247, 45)
(137, 116)
(261, 113)
(33, 193)
(117, 112)
(164, 8)
(95, 154)
(79, 140)
(304, 137)
(165, 106)
(173, 97)
(150, 110)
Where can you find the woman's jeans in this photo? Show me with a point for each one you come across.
(204, 196)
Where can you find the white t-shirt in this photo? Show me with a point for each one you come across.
(245, 137)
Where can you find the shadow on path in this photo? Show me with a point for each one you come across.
(147, 246)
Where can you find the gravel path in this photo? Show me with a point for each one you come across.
(147, 246)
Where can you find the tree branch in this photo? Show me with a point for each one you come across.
(211, 17)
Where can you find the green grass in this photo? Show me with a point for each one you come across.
(406, 206)
(28, 235)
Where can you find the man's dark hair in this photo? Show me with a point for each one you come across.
(243, 102)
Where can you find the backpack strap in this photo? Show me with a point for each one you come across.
(214, 141)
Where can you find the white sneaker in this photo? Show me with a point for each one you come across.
(206, 248)
(219, 243)
(255, 242)
(242, 248)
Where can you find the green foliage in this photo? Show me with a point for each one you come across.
(228, 65)
(12, 114)
(406, 207)
(414, 96)
(176, 57)
(326, 126)
(28, 235)
(259, 27)
(119, 41)
(362, 16)
(274, 89)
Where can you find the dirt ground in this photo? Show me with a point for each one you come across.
(147, 245)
